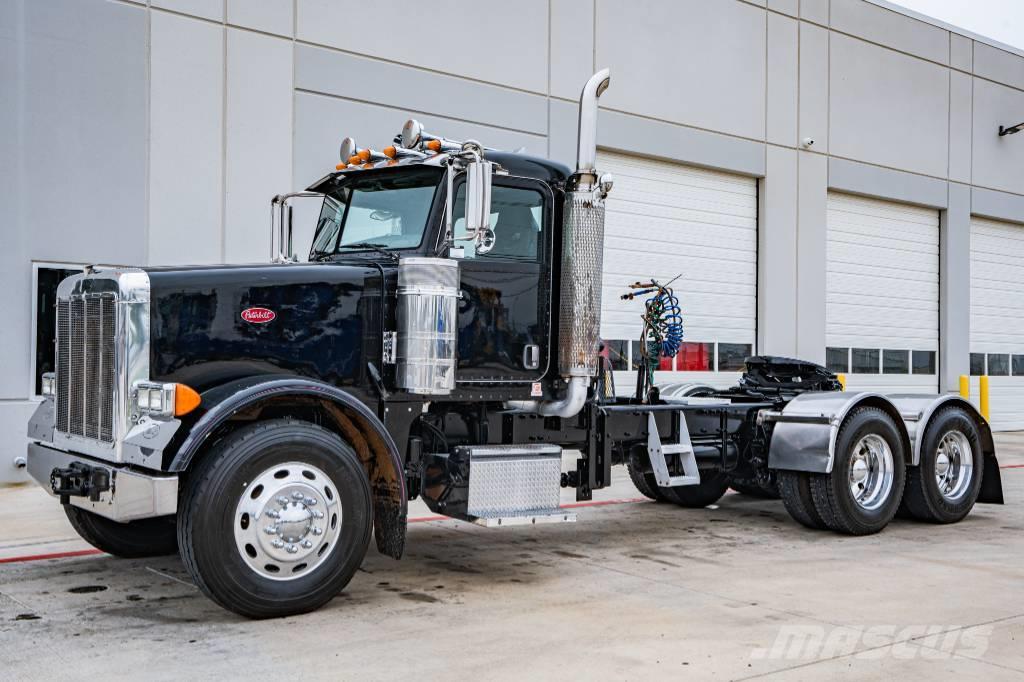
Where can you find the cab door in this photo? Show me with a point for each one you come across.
(504, 314)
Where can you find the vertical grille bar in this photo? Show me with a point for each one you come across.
(76, 381)
(93, 355)
(63, 369)
(108, 314)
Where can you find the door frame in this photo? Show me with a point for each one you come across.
(546, 261)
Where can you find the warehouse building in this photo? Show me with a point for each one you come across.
(826, 178)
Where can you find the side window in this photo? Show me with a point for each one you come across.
(517, 218)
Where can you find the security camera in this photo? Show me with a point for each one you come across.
(808, 142)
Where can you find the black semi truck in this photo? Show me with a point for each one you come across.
(442, 341)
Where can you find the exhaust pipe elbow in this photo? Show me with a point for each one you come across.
(586, 144)
(567, 407)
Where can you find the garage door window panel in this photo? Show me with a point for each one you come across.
(865, 360)
(998, 365)
(977, 364)
(895, 361)
(923, 362)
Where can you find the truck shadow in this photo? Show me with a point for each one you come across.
(446, 562)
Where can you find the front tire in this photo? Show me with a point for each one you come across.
(862, 493)
(275, 519)
(945, 485)
(142, 538)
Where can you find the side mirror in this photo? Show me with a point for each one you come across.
(478, 204)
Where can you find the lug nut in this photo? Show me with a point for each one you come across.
(291, 549)
(310, 501)
(277, 543)
(316, 530)
(283, 501)
(318, 514)
(272, 513)
(270, 530)
(307, 544)
(297, 495)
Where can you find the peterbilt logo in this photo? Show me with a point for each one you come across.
(258, 315)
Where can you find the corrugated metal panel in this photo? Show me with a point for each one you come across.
(882, 288)
(997, 313)
(665, 219)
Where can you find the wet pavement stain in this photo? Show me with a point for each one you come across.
(86, 589)
(419, 596)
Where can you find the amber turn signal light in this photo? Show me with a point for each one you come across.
(389, 152)
(185, 399)
(354, 160)
(434, 145)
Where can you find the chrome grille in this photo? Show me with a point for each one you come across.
(86, 331)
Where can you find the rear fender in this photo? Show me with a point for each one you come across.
(337, 410)
(806, 430)
(920, 411)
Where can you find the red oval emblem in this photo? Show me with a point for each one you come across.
(258, 315)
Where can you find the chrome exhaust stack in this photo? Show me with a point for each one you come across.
(579, 316)
(579, 325)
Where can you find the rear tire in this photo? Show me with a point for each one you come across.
(644, 482)
(795, 489)
(862, 493)
(945, 485)
(712, 486)
(275, 519)
(142, 538)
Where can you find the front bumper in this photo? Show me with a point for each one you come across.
(131, 495)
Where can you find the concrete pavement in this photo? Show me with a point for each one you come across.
(633, 589)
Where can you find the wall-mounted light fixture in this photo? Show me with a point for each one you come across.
(1011, 129)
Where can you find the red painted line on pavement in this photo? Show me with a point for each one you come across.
(1012, 466)
(54, 555)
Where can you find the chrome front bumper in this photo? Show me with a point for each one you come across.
(132, 495)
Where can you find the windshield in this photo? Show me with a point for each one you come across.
(386, 211)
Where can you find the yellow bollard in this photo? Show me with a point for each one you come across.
(842, 380)
(965, 387)
(983, 393)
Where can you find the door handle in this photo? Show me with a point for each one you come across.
(531, 356)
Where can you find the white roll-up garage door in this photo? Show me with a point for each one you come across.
(666, 220)
(997, 319)
(882, 294)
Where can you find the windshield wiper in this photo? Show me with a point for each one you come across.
(379, 248)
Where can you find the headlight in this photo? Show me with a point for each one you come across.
(155, 399)
(165, 400)
(49, 382)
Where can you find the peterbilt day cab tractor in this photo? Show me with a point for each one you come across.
(442, 341)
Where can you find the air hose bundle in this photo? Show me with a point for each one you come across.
(662, 333)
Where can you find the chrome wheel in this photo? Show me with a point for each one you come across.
(287, 521)
(954, 465)
(871, 472)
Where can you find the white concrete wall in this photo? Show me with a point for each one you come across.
(157, 132)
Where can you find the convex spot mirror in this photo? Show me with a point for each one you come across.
(478, 204)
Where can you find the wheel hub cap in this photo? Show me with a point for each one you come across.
(954, 466)
(287, 521)
(871, 472)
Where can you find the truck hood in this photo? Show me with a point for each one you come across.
(212, 324)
